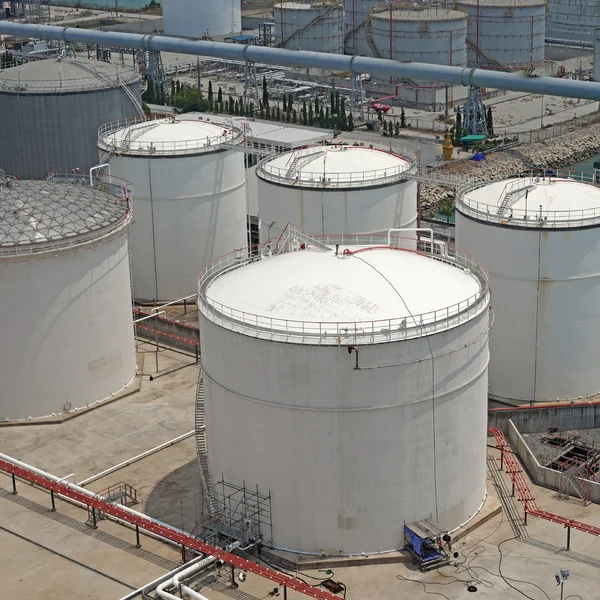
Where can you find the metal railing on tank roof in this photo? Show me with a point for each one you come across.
(503, 213)
(304, 177)
(111, 141)
(337, 332)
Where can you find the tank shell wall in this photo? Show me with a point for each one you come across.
(372, 210)
(440, 42)
(43, 132)
(573, 20)
(545, 341)
(69, 331)
(510, 36)
(192, 18)
(196, 207)
(348, 454)
(355, 16)
(318, 28)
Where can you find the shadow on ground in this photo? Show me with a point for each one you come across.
(177, 499)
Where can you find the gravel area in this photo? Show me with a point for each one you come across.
(545, 453)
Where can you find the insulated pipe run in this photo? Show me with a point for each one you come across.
(82, 490)
(378, 67)
(175, 581)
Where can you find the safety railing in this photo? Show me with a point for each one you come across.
(308, 178)
(117, 187)
(109, 138)
(532, 216)
(334, 332)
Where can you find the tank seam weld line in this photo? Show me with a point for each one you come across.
(223, 192)
(578, 278)
(349, 409)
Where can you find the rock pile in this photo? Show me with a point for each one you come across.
(554, 153)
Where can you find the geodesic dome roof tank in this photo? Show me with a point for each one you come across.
(65, 295)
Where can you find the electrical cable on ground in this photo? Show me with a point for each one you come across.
(424, 584)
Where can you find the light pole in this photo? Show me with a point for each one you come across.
(542, 114)
(561, 576)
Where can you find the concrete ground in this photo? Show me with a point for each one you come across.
(55, 554)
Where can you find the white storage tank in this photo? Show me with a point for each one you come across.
(320, 386)
(505, 34)
(572, 20)
(356, 13)
(429, 35)
(66, 319)
(189, 198)
(205, 18)
(341, 189)
(317, 26)
(540, 240)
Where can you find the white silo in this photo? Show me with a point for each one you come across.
(351, 382)
(572, 20)
(505, 34)
(430, 35)
(539, 238)
(66, 318)
(199, 19)
(342, 189)
(317, 26)
(356, 13)
(189, 198)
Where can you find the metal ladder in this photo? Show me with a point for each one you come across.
(202, 449)
(303, 160)
(312, 22)
(509, 194)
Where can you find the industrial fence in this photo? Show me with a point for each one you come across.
(527, 136)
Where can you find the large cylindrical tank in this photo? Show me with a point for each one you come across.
(430, 35)
(507, 34)
(351, 383)
(572, 20)
(540, 240)
(342, 189)
(317, 26)
(66, 316)
(191, 18)
(189, 198)
(51, 111)
(355, 17)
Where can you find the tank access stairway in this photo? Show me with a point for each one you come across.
(511, 193)
(121, 492)
(325, 13)
(205, 476)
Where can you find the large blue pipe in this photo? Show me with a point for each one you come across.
(379, 67)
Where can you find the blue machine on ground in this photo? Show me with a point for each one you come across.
(429, 544)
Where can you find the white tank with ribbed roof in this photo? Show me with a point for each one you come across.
(189, 198)
(539, 238)
(348, 376)
(338, 188)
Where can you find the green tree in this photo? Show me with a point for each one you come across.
(397, 129)
(288, 114)
(265, 91)
(251, 109)
(327, 117)
(337, 103)
(311, 115)
(490, 122)
(458, 129)
(294, 116)
(321, 117)
(402, 118)
(350, 122)
(146, 108)
(267, 111)
(317, 105)
(342, 118)
(284, 109)
(177, 86)
(379, 115)
(261, 112)
(210, 92)
(172, 89)
(220, 96)
(236, 108)
(445, 208)
(278, 113)
(332, 101)
(231, 106)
